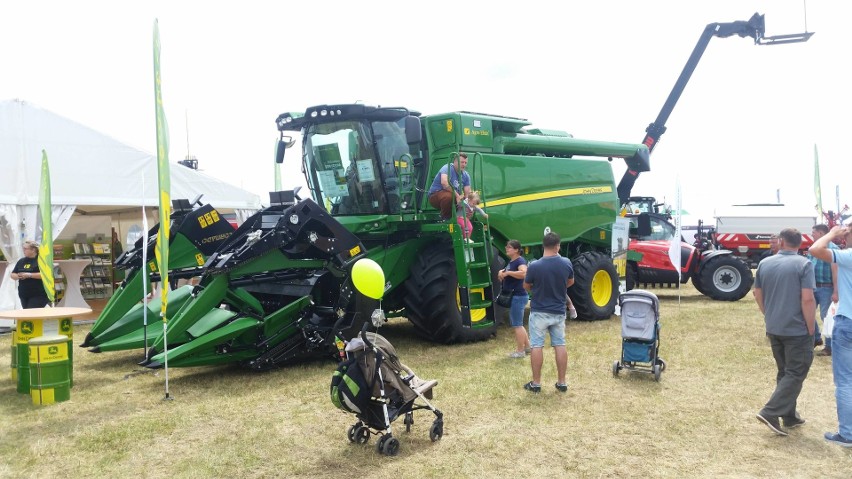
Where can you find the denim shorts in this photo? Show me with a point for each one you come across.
(516, 311)
(541, 323)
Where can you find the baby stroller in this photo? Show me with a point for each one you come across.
(375, 386)
(640, 334)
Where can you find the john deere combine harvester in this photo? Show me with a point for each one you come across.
(280, 287)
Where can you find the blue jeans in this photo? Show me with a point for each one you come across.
(541, 323)
(841, 365)
(823, 300)
(516, 311)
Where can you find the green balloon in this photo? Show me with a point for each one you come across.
(368, 278)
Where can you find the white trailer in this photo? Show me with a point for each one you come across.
(746, 230)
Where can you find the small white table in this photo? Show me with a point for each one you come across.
(73, 268)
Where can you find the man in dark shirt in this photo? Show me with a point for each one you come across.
(784, 291)
(548, 279)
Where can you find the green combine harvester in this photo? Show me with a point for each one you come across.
(280, 288)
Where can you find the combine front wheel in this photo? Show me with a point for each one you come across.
(431, 298)
(595, 289)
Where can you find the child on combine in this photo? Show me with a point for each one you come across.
(465, 211)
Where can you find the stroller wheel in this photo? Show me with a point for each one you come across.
(390, 446)
(361, 435)
(616, 367)
(436, 431)
(657, 371)
(350, 433)
(380, 444)
(662, 363)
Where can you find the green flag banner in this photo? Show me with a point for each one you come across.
(162, 248)
(817, 187)
(45, 250)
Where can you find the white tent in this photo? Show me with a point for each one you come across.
(90, 173)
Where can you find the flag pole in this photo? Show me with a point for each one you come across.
(675, 244)
(144, 271)
(163, 232)
(45, 250)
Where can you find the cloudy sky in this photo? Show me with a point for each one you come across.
(743, 131)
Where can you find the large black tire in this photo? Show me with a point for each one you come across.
(630, 276)
(699, 286)
(431, 299)
(725, 278)
(595, 289)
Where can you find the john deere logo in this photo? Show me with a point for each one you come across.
(52, 349)
(65, 325)
(27, 327)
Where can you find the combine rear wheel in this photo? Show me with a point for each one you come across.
(431, 299)
(725, 278)
(595, 290)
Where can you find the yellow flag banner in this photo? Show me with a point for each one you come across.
(45, 250)
(162, 248)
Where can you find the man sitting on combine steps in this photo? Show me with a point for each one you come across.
(449, 186)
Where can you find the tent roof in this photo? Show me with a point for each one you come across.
(91, 170)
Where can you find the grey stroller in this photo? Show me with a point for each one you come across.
(375, 386)
(640, 334)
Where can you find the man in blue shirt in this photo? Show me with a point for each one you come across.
(450, 187)
(784, 291)
(841, 337)
(548, 278)
(825, 292)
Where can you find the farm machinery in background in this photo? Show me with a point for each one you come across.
(746, 230)
(716, 273)
(754, 28)
(279, 287)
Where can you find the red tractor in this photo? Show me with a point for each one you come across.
(714, 273)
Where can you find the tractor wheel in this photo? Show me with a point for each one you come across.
(432, 299)
(631, 275)
(725, 278)
(699, 286)
(595, 289)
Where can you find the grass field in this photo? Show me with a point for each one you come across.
(698, 421)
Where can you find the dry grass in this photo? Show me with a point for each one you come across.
(226, 422)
